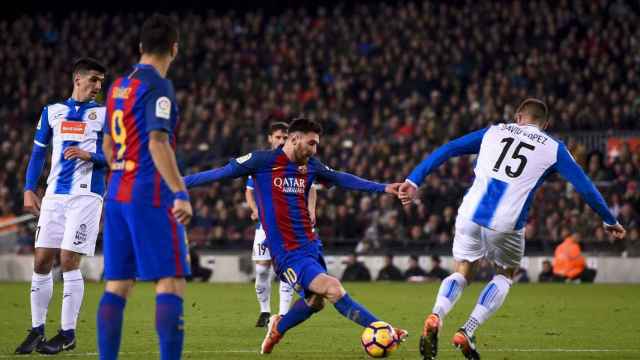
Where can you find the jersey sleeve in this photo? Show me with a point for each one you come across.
(242, 166)
(158, 108)
(38, 154)
(328, 177)
(250, 185)
(573, 173)
(43, 130)
(468, 144)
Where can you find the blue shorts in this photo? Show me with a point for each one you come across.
(300, 267)
(143, 242)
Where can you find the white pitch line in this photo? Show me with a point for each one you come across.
(126, 353)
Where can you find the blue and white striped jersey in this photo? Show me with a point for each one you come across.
(62, 125)
(513, 161)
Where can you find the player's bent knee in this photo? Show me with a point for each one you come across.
(263, 262)
(171, 285)
(506, 272)
(316, 302)
(69, 260)
(121, 288)
(334, 290)
(43, 261)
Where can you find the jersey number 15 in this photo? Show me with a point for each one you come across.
(515, 155)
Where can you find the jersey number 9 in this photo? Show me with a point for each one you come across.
(119, 133)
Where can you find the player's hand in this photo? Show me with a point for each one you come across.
(392, 188)
(31, 202)
(617, 231)
(312, 215)
(182, 211)
(407, 193)
(254, 216)
(74, 152)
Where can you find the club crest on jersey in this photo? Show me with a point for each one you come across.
(92, 115)
(289, 185)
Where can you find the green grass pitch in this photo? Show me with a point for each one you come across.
(553, 321)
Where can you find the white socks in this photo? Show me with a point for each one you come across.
(450, 291)
(73, 292)
(41, 291)
(286, 294)
(490, 300)
(263, 287)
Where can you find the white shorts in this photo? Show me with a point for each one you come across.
(473, 242)
(69, 222)
(260, 250)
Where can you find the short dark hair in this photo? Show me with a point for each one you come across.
(414, 257)
(88, 64)
(159, 33)
(436, 258)
(537, 108)
(305, 126)
(278, 125)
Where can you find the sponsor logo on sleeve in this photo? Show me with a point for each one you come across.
(244, 158)
(163, 107)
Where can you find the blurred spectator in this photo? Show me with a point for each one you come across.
(197, 270)
(355, 270)
(389, 271)
(414, 272)
(546, 275)
(568, 262)
(437, 271)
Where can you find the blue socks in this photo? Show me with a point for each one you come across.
(169, 326)
(109, 323)
(298, 313)
(354, 311)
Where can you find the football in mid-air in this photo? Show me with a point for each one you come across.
(379, 339)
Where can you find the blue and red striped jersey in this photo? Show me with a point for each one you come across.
(281, 189)
(137, 104)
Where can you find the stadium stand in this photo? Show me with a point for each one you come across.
(388, 82)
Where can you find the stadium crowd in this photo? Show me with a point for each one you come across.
(389, 83)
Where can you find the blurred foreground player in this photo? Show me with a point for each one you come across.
(147, 204)
(513, 161)
(282, 179)
(71, 208)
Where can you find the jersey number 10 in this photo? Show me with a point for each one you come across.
(515, 155)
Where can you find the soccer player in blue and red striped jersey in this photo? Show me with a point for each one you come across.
(282, 179)
(146, 204)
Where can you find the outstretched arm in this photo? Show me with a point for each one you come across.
(352, 182)
(468, 144)
(573, 173)
(242, 166)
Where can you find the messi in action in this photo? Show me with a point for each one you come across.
(513, 161)
(282, 179)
